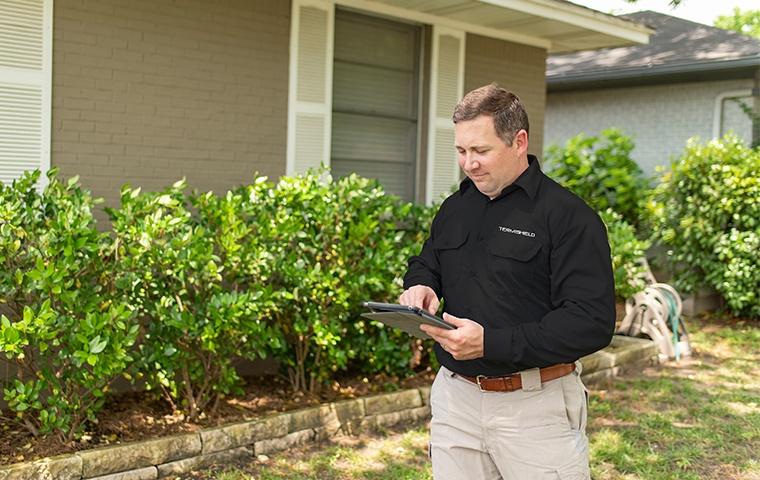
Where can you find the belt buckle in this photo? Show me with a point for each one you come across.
(477, 379)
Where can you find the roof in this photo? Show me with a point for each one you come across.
(555, 25)
(678, 47)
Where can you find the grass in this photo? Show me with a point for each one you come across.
(393, 455)
(699, 419)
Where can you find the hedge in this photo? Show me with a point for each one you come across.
(185, 282)
(706, 212)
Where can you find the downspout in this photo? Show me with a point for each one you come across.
(718, 111)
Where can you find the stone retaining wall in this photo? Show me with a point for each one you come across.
(175, 455)
(624, 354)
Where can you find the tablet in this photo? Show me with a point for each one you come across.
(405, 317)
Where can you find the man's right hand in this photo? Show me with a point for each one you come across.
(420, 296)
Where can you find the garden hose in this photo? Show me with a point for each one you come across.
(673, 301)
(655, 312)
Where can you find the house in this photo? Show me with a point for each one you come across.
(691, 79)
(148, 91)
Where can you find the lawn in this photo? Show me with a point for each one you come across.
(698, 419)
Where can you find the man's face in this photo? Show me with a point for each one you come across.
(490, 163)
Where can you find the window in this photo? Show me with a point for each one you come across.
(375, 101)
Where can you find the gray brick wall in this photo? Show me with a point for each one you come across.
(519, 68)
(148, 91)
(660, 118)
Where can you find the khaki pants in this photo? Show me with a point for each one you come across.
(520, 435)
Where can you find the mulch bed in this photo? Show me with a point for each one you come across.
(131, 417)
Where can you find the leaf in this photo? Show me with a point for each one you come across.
(97, 345)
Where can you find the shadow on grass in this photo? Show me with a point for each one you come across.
(694, 420)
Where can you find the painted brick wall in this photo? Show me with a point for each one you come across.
(660, 118)
(149, 91)
(519, 68)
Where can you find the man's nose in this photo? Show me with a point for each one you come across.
(469, 162)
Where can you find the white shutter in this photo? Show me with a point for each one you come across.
(25, 82)
(310, 87)
(446, 88)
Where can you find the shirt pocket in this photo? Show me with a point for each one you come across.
(515, 258)
(449, 248)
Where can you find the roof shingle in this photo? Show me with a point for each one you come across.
(676, 43)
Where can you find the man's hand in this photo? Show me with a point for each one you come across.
(420, 296)
(464, 343)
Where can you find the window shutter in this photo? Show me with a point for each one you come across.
(310, 87)
(25, 83)
(447, 85)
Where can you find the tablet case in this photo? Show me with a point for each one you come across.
(408, 321)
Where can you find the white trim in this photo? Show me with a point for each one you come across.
(718, 110)
(47, 90)
(575, 15)
(432, 120)
(435, 122)
(435, 20)
(294, 106)
(421, 84)
(295, 22)
(329, 61)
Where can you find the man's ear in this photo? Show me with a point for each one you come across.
(521, 142)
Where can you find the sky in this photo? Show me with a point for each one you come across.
(702, 11)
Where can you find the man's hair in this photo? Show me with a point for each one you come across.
(508, 112)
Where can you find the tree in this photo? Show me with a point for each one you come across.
(744, 22)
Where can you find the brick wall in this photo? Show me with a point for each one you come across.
(660, 118)
(148, 91)
(519, 68)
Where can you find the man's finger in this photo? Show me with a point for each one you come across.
(436, 332)
(432, 307)
(456, 321)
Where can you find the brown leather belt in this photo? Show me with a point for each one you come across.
(513, 382)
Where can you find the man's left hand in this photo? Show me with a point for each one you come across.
(464, 343)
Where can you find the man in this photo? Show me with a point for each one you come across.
(524, 269)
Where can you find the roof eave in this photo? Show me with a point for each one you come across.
(629, 33)
(579, 80)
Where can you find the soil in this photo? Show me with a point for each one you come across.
(132, 417)
(129, 417)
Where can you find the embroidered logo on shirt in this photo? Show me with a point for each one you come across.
(516, 231)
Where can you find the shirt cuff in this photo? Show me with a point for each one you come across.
(496, 342)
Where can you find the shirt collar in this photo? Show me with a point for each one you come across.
(529, 180)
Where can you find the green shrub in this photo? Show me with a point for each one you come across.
(198, 283)
(626, 250)
(334, 244)
(63, 325)
(600, 171)
(706, 211)
(396, 232)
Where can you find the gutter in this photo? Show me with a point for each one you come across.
(579, 79)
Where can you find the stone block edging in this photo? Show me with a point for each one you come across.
(178, 454)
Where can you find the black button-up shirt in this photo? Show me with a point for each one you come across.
(532, 266)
